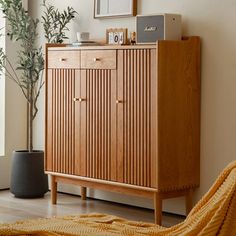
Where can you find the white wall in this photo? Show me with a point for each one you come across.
(13, 116)
(14, 123)
(213, 21)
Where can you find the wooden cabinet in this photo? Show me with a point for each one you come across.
(125, 118)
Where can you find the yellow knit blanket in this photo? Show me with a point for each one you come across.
(214, 214)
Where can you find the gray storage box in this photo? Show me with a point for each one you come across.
(151, 28)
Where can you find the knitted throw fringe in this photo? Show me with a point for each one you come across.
(214, 214)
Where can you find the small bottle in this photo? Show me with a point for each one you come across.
(132, 37)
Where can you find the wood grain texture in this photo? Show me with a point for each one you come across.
(135, 7)
(120, 100)
(53, 190)
(153, 119)
(98, 59)
(60, 120)
(178, 114)
(64, 59)
(104, 184)
(83, 191)
(158, 208)
(98, 129)
(134, 119)
(63, 47)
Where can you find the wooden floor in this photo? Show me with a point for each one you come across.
(14, 209)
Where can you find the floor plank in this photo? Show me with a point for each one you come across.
(15, 209)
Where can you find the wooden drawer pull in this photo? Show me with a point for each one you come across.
(119, 101)
(79, 99)
(62, 59)
(96, 59)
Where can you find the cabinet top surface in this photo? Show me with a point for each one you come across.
(103, 47)
(68, 47)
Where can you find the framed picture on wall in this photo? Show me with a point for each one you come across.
(114, 8)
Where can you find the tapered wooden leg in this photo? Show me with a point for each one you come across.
(83, 193)
(53, 190)
(158, 208)
(189, 201)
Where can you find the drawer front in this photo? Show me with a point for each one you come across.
(64, 59)
(98, 59)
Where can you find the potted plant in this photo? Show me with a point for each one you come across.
(28, 178)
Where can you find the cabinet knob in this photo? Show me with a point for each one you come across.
(62, 59)
(119, 101)
(79, 99)
(96, 59)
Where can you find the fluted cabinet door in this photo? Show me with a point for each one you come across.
(137, 112)
(98, 124)
(62, 87)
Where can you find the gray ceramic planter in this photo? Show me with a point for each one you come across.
(27, 175)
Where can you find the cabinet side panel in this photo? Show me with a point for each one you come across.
(178, 113)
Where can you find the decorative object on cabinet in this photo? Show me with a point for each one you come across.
(114, 8)
(125, 119)
(151, 28)
(116, 36)
(84, 43)
(82, 36)
(132, 37)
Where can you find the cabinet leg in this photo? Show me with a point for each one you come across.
(189, 201)
(158, 208)
(53, 190)
(83, 193)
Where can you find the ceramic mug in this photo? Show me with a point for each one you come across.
(82, 36)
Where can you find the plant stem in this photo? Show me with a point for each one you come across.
(31, 111)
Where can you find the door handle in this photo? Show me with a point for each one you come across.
(119, 101)
(96, 59)
(62, 59)
(79, 99)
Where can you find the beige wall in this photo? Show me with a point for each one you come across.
(14, 121)
(2, 95)
(213, 21)
(13, 115)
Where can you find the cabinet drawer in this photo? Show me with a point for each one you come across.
(98, 59)
(64, 59)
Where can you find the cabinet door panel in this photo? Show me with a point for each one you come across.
(98, 124)
(135, 127)
(60, 123)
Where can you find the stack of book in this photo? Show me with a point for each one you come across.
(84, 43)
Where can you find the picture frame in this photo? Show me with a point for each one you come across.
(116, 36)
(114, 8)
